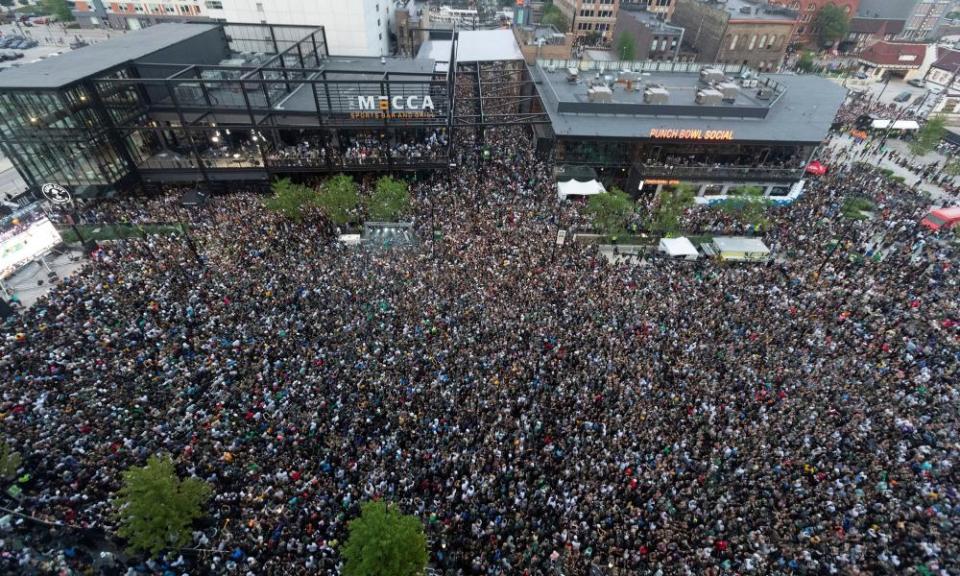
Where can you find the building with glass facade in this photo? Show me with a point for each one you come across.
(219, 103)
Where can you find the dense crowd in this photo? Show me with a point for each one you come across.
(540, 409)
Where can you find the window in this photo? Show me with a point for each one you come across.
(763, 41)
(812, 7)
(950, 105)
(733, 41)
(214, 5)
(753, 42)
(259, 7)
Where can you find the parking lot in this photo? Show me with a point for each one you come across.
(51, 39)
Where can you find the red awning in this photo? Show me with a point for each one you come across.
(816, 168)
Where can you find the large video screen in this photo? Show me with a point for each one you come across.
(25, 235)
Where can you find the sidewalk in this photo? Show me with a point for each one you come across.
(873, 157)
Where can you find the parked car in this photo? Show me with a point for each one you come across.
(941, 219)
(916, 82)
(903, 97)
(861, 76)
(77, 44)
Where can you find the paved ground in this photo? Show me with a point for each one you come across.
(53, 39)
(873, 155)
(26, 282)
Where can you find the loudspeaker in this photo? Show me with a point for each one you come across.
(5, 310)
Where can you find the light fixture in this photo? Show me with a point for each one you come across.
(236, 155)
(33, 119)
(83, 97)
(214, 139)
(254, 138)
(227, 131)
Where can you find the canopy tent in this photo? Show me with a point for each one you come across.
(816, 168)
(898, 125)
(680, 247)
(575, 188)
(740, 248)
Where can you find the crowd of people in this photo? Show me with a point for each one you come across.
(540, 409)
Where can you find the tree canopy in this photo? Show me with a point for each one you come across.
(671, 203)
(339, 199)
(805, 63)
(9, 461)
(611, 212)
(552, 16)
(291, 200)
(750, 205)
(58, 8)
(384, 542)
(389, 201)
(926, 139)
(626, 47)
(831, 24)
(156, 509)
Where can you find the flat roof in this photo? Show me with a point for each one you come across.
(475, 46)
(91, 60)
(757, 11)
(803, 113)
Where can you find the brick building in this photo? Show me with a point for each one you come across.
(654, 38)
(589, 16)
(136, 15)
(736, 32)
(807, 10)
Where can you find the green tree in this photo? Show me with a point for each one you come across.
(928, 136)
(831, 24)
(339, 200)
(671, 202)
(856, 207)
(552, 16)
(6, 3)
(626, 47)
(611, 211)
(9, 461)
(291, 200)
(805, 63)
(952, 167)
(155, 508)
(58, 8)
(384, 542)
(750, 205)
(389, 201)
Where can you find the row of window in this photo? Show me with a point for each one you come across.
(590, 26)
(596, 13)
(766, 42)
(661, 44)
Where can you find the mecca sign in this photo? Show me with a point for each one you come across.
(55, 193)
(396, 107)
(690, 134)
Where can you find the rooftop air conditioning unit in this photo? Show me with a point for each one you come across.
(656, 95)
(709, 97)
(711, 75)
(600, 95)
(749, 82)
(764, 94)
(729, 90)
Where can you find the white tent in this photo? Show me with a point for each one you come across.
(740, 248)
(574, 188)
(678, 248)
(879, 124)
(906, 125)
